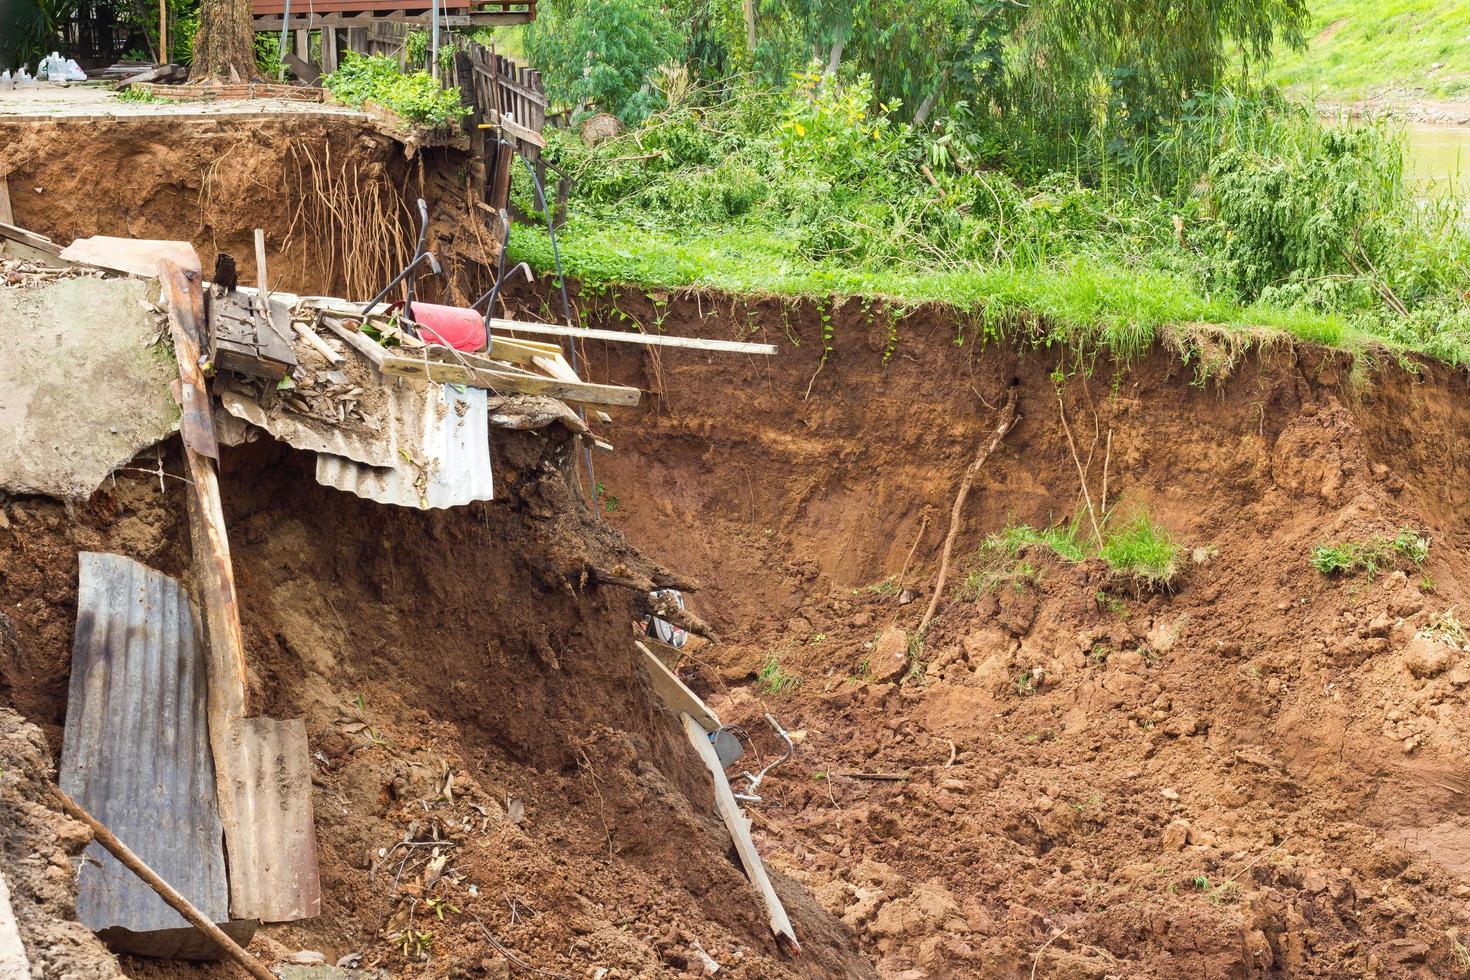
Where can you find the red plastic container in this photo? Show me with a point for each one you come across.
(452, 326)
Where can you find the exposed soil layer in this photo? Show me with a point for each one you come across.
(37, 849)
(1260, 772)
(334, 196)
(462, 683)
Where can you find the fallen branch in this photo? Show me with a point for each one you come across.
(663, 607)
(1008, 419)
(165, 891)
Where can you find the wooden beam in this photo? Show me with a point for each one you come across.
(674, 693)
(476, 373)
(628, 337)
(739, 826)
(213, 574)
(165, 891)
(7, 215)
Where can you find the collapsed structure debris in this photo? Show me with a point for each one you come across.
(212, 802)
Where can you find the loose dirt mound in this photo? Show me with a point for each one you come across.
(37, 848)
(1260, 773)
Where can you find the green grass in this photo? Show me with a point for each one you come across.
(772, 679)
(1143, 551)
(1372, 555)
(1242, 221)
(1085, 300)
(1137, 549)
(1357, 48)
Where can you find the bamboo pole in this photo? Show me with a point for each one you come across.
(165, 891)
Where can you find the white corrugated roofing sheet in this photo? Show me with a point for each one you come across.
(440, 436)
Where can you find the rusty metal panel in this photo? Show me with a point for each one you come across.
(441, 448)
(136, 748)
(273, 877)
(370, 449)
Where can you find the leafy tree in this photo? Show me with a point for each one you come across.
(601, 53)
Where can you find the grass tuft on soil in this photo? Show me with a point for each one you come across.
(1372, 555)
(1137, 548)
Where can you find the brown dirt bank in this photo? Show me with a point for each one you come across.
(1253, 775)
(333, 195)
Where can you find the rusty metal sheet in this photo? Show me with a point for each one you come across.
(370, 449)
(440, 438)
(273, 875)
(136, 750)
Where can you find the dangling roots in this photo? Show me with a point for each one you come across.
(356, 228)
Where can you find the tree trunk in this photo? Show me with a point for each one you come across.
(930, 100)
(750, 38)
(834, 58)
(224, 48)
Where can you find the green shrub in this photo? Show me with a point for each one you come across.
(602, 53)
(415, 96)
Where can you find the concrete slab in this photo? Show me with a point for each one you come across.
(84, 383)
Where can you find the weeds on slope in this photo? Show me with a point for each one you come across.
(1372, 555)
(1136, 548)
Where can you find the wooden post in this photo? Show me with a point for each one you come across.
(260, 284)
(329, 50)
(6, 214)
(303, 45)
(163, 32)
(165, 891)
(214, 577)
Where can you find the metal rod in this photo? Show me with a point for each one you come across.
(434, 41)
(281, 51)
(165, 891)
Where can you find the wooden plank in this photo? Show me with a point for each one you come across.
(739, 826)
(674, 693)
(583, 393)
(317, 344)
(329, 49)
(302, 68)
(213, 573)
(627, 337)
(28, 238)
(7, 215)
(479, 372)
(135, 256)
(504, 121)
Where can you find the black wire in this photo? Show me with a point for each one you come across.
(566, 304)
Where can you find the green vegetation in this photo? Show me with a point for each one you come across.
(1372, 555)
(1358, 48)
(773, 680)
(414, 96)
(1258, 220)
(1085, 174)
(1142, 551)
(1136, 548)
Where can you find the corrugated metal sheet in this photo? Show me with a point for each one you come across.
(136, 747)
(441, 449)
(273, 877)
(318, 437)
